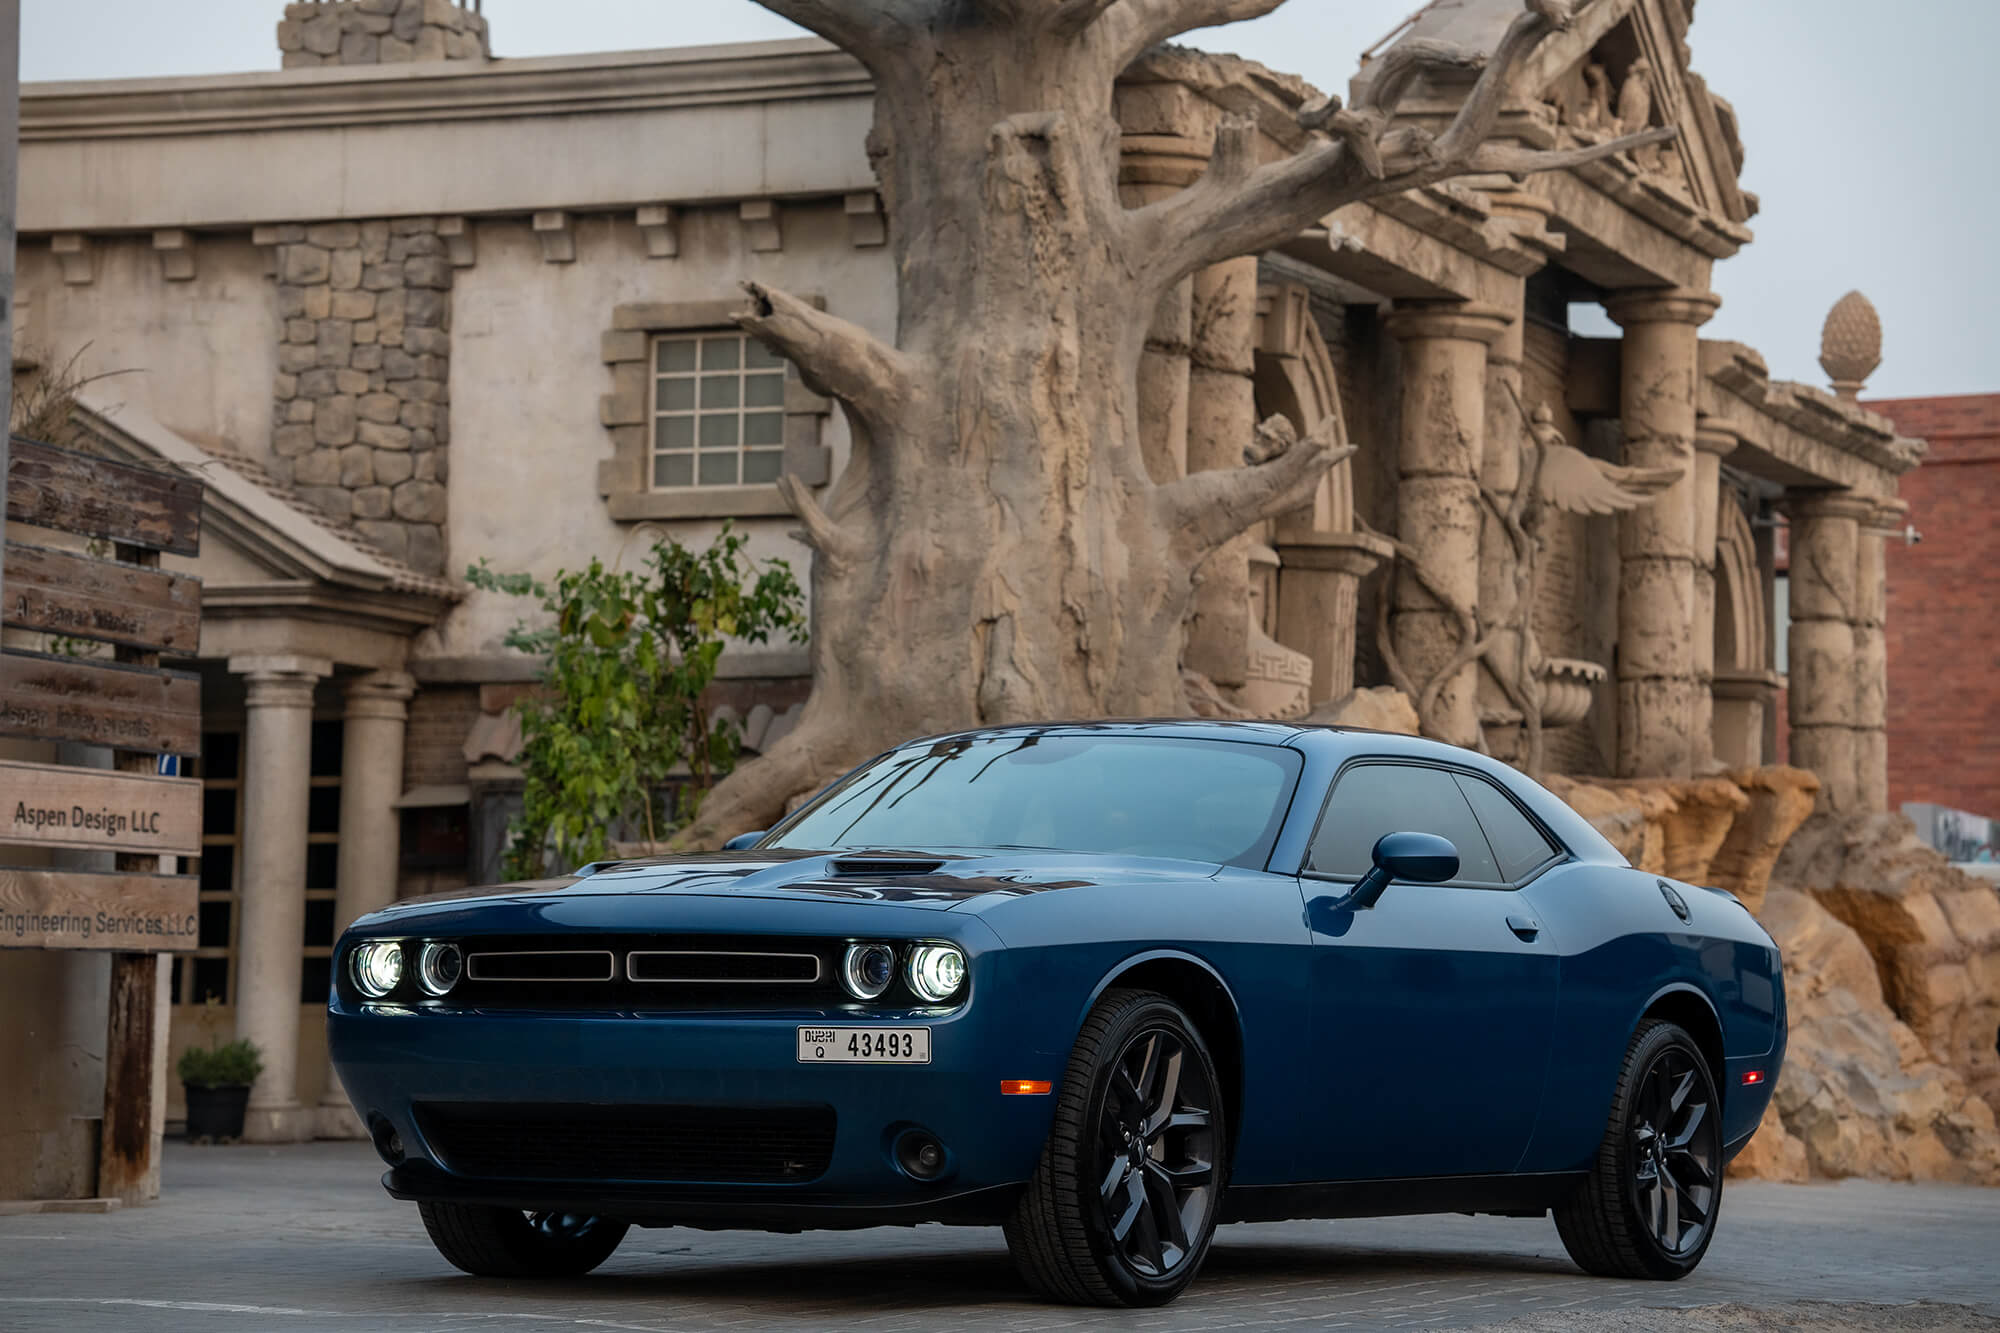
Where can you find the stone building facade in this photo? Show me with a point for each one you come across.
(407, 316)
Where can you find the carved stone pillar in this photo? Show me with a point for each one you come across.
(371, 779)
(277, 747)
(1222, 417)
(1319, 583)
(1153, 166)
(1657, 609)
(1826, 600)
(1712, 443)
(1871, 654)
(1438, 458)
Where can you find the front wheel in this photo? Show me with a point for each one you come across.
(506, 1242)
(1648, 1208)
(1122, 1207)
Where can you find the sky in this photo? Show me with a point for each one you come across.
(1868, 126)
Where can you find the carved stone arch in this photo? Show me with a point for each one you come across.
(1321, 558)
(1741, 643)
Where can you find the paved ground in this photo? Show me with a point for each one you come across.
(260, 1240)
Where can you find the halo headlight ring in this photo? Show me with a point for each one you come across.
(867, 969)
(935, 972)
(376, 967)
(439, 966)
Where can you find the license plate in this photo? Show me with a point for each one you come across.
(865, 1046)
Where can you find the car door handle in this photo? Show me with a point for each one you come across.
(1524, 926)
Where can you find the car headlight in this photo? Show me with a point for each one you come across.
(868, 969)
(439, 967)
(936, 971)
(377, 967)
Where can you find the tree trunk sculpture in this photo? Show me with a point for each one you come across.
(995, 550)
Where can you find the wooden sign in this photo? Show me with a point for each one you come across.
(47, 805)
(100, 703)
(96, 497)
(63, 592)
(75, 909)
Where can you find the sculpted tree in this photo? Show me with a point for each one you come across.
(996, 550)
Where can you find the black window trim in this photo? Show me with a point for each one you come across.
(1562, 854)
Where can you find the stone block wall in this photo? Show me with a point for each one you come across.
(362, 404)
(379, 32)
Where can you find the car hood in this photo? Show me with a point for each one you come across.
(933, 879)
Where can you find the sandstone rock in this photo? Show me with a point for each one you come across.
(420, 502)
(391, 466)
(372, 502)
(433, 465)
(351, 381)
(1780, 800)
(380, 407)
(1383, 708)
(1630, 818)
(357, 466)
(333, 420)
(353, 304)
(304, 265)
(378, 436)
(317, 301)
(319, 383)
(336, 342)
(345, 269)
(1773, 1155)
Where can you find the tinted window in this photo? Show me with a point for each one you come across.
(1375, 799)
(1517, 844)
(1219, 801)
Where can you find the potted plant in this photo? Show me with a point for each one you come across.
(217, 1079)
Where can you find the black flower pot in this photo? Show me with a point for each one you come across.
(215, 1114)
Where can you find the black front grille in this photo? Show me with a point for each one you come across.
(703, 1144)
(653, 973)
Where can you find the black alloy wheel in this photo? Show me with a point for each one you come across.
(507, 1242)
(1122, 1208)
(1156, 1133)
(1649, 1206)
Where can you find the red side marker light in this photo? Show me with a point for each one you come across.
(1752, 1076)
(1025, 1087)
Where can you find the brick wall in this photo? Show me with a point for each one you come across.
(1944, 609)
(434, 746)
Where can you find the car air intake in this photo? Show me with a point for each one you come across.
(541, 965)
(710, 1144)
(886, 865)
(711, 968)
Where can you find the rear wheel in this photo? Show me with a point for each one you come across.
(507, 1242)
(1122, 1207)
(1649, 1207)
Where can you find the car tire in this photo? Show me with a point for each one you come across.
(506, 1242)
(1649, 1206)
(1122, 1207)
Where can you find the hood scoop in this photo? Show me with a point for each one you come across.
(843, 866)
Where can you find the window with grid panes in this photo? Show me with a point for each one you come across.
(718, 411)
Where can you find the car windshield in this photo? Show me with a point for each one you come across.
(1200, 800)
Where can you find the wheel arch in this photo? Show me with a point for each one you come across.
(1194, 985)
(1689, 1008)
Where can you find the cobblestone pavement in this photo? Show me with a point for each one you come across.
(250, 1240)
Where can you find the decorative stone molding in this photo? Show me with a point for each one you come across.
(866, 227)
(623, 478)
(74, 254)
(379, 32)
(761, 225)
(176, 250)
(458, 245)
(361, 406)
(660, 226)
(555, 229)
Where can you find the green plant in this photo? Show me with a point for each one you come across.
(629, 655)
(221, 1064)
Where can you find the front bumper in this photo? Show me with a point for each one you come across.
(393, 1060)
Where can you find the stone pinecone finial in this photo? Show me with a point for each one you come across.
(1850, 346)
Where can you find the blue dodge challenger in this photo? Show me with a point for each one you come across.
(1106, 985)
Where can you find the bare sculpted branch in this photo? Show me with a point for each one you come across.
(1232, 212)
(841, 358)
(861, 27)
(1206, 509)
(1137, 25)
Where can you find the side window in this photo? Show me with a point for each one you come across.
(1374, 799)
(1517, 844)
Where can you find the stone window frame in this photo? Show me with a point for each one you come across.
(625, 479)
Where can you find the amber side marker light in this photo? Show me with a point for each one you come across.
(1752, 1076)
(1025, 1087)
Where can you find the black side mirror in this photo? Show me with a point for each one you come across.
(1419, 858)
(745, 841)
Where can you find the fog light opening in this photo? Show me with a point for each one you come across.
(388, 1143)
(919, 1155)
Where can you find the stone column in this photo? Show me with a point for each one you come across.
(1222, 418)
(1824, 700)
(1657, 611)
(1159, 160)
(277, 756)
(1499, 589)
(371, 779)
(1871, 654)
(1438, 459)
(1712, 443)
(1319, 585)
